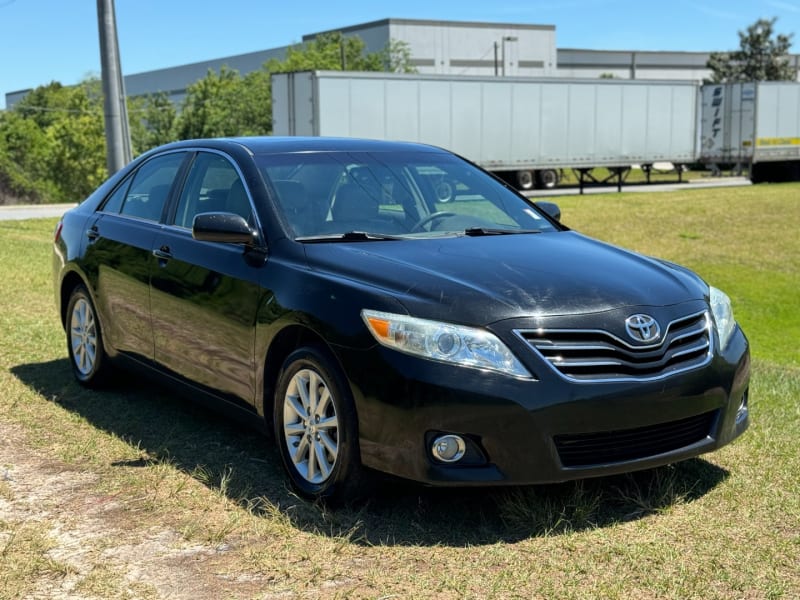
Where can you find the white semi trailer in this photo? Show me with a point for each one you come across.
(754, 126)
(524, 130)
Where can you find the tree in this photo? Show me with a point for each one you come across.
(226, 104)
(330, 52)
(762, 56)
(153, 121)
(254, 104)
(23, 154)
(77, 161)
(206, 110)
(396, 57)
(337, 52)
(52, 146)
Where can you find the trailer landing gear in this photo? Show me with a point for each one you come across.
(614, 173)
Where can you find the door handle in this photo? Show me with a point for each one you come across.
(92, 233)
(162, 253)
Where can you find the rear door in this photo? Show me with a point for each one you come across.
(118, 258)
(205, 295)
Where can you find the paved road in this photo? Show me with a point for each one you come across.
(36, 211)
(18, 212)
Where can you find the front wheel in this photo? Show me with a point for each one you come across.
(315, 427)
(85, 340)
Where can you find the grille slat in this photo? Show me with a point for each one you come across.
(701, 346)
(599, 448)
(596, 355)
(586, 363)
(691, 332)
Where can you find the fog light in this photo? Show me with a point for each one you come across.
(741, 413)
(448, 448)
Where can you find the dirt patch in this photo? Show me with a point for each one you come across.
(103, 551)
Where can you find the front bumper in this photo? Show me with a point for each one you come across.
(523, 430)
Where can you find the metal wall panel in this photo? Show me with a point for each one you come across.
(512, 124)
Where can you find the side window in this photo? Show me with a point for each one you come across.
(114, 202)
(213, 185)
(150, 187)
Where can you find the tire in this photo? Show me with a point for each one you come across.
(316, 429)
(87, 356)
(547, 179)
(525, 180)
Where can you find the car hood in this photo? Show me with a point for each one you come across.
(481, 280)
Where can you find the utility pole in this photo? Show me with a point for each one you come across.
(118, 140)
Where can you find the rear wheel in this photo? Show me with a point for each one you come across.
(445, 191)
(85, 340)
(315, 427)
(524, 180)
(547, 179)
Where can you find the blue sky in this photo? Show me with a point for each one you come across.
(46, 40)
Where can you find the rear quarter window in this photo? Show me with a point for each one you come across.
(149, 189)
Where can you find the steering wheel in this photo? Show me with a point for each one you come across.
(430, 218)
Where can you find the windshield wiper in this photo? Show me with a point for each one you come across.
(480, 231)
(350, 236)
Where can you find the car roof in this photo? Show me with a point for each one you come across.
(276, 144)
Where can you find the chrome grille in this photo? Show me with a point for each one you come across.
(597, 355)
(600, 448)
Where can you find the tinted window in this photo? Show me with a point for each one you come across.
(150, 187)
(403, 194)
(213, 185)
(114, 201)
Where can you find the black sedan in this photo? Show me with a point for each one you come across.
(323, 287)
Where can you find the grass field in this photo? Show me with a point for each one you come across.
(135, 493)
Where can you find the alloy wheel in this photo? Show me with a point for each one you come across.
(83, 336)
(311, 426)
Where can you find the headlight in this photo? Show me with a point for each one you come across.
(463, 346)
(723, 315)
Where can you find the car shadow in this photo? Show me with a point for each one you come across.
(244, 465)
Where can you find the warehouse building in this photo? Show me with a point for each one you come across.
(454, 48)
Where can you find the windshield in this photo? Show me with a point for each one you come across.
(328, 195)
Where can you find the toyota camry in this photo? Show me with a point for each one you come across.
(324, 288)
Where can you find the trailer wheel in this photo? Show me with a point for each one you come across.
(445, 191)
(547, 179)
(525, 180)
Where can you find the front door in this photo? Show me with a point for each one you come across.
(205, 295)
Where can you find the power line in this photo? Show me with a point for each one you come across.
(79, 111)
(76, 111)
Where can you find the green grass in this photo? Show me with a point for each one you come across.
(726, 525)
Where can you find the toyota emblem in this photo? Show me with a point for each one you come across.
(642, 328)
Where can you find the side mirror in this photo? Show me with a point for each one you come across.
(222, 227)
(551, 208)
